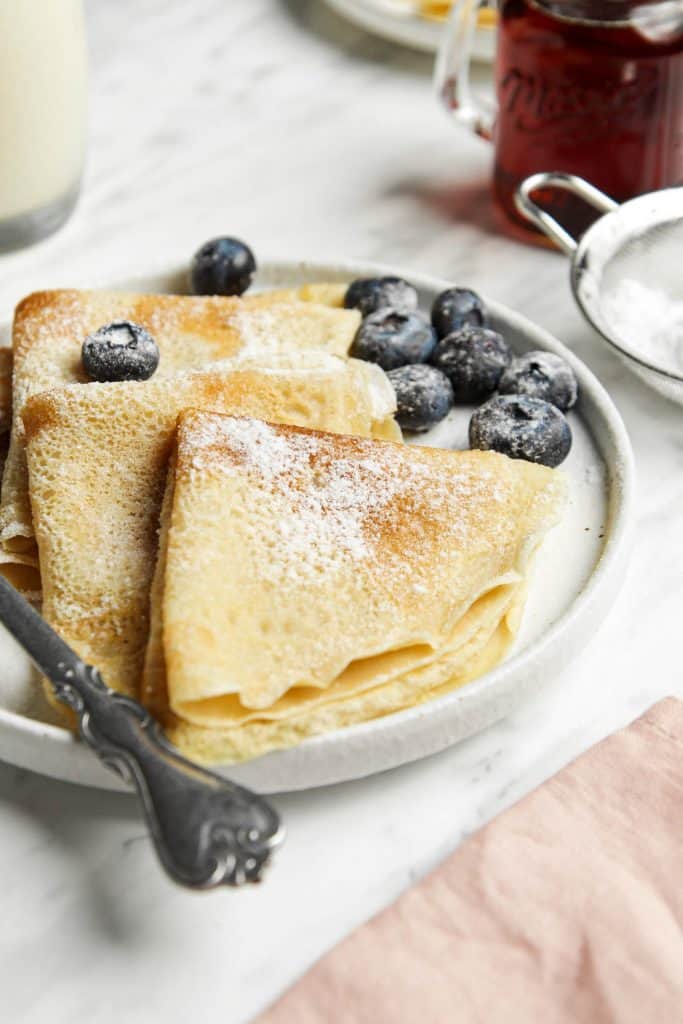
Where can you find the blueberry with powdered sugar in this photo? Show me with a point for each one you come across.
(222, 266)
(423, 396)
(391, 338)
(543, 375)
(368, 294)
(473, 359)
(456, 308)
(121, 350)
(523, 428)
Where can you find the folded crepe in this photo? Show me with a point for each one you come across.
(324, 293)
(192, 332)
(308, 581)
(97, 459)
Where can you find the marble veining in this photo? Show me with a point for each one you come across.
(275, 120)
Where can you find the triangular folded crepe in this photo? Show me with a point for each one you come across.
(192, 332)
(307, 581)
(97, 459)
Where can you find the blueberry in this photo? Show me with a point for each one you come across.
(423, 395)
(523, 428)
(222, 266)
(368, 294)
(393, 338)
(456, 308)
(473, 358)
(541, 375)
(120, 350)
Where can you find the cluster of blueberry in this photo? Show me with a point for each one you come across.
(454, 357)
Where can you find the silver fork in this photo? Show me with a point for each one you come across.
(207, 830)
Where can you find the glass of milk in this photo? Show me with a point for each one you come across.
(42, 116)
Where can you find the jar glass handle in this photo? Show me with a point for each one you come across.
(452, 73)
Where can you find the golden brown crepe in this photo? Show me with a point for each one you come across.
(97, 458)
(324, 293)
(192, 332)
(307, 581)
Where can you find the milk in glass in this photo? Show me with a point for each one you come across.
(42, 115)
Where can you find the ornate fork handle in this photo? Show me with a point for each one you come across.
(207, 831)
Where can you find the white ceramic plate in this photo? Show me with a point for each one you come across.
(577, 573)
(385, 18)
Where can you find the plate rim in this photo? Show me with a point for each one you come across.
(602, 584)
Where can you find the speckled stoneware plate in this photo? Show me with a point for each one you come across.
(386, 19)
(576, 575)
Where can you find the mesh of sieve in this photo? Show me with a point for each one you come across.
(627, 275)
(628, 279)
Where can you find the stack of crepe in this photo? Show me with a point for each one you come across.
(243, 542)
(192, 333)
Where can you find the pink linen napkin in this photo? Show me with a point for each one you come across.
(568, 908)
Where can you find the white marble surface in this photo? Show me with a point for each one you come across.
(275, 121)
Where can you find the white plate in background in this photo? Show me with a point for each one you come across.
(577, 573)
(386, 19)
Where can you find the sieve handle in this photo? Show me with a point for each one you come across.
(568, 183)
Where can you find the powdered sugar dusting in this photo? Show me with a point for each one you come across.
(261, 331)
(648, 320)
(326, 518)
(297, 364)
(335, 506)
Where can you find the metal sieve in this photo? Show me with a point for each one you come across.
(625, 273)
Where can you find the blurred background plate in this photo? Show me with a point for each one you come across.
(401, 23)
